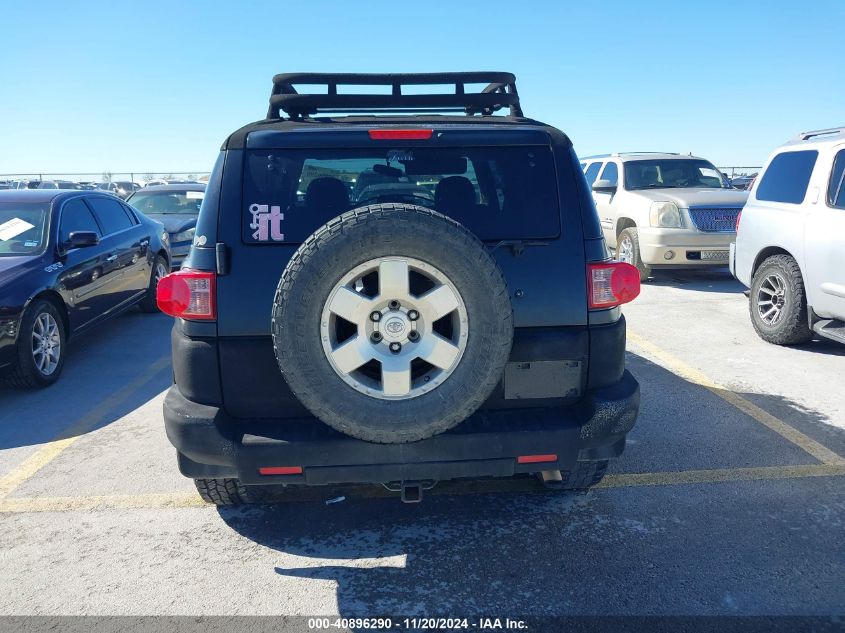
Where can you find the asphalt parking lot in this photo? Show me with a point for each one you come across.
(728, 500)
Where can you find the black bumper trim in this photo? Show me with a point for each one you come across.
(484, 445)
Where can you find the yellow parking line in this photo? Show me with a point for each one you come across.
(677, 366)
(52, 449)
(622, 480)
(675, 478)
(111, 502)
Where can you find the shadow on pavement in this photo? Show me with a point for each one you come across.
(715, 280)
(99, 364)
(743, 547)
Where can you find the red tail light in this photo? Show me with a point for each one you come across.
(188, 294)
(400, 135)
(738, 218)
(612, 284)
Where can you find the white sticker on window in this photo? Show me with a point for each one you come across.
(14, 227)
(194, 195)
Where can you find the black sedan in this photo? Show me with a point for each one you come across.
(177, 208)
(68, 261)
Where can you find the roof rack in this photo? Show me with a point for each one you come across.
(806, 136)
(638, 153)
(499, 93)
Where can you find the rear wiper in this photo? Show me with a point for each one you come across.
(517, 246)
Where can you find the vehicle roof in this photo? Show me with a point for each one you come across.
(318, 125)
(627, 157)
(47, 195)
(188, 186)
(817, 138)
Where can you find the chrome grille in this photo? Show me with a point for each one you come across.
(715, 219)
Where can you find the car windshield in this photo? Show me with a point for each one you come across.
(167, 202)
(496, 192)
(672, 173)
(23, 228)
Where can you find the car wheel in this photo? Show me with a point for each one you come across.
(778, 303)
(628, 251)
(584, 477)
(41, 347)
(159, 270)
(230, 492)
(392, 323)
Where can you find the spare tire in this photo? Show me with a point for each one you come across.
(392, 323)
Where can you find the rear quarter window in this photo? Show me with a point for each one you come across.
(496, 192)
(787, 177)
(836, 187)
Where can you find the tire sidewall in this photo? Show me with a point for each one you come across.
(25, 359)
(297, 337)
(792, 300)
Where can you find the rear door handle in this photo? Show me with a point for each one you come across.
(111, 258)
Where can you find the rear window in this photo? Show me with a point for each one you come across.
(496, 192)
(167, 202)
(787, 177)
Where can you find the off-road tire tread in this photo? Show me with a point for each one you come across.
(229, 492)
(382, 218)
(794, 327)
(586, 475)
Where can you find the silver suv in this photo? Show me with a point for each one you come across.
(664, 210)
(791, 241)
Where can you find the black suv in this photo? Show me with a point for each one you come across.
(397, 298)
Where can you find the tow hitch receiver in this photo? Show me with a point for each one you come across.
(410, 491)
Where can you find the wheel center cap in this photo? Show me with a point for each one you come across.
(395, 328)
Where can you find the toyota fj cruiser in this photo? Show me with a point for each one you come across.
(397, 298)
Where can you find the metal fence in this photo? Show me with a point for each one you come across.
(107, 176)
(735, 172)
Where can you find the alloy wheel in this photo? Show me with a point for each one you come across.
(394, 328)
(46, 343)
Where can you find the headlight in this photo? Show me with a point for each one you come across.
(665, 214)
(185, 236)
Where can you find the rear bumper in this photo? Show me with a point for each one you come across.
(485, 445)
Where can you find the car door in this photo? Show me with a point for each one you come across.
(606, 202)
(824, 237)
(127, 241)
(85, 281)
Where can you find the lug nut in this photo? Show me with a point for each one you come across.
(393, 305)
(413, 315)
(413, 335)
(395, 348)
(375, 337)
(375, 316)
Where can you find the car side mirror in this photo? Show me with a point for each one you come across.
(81, 239)
(604, 186)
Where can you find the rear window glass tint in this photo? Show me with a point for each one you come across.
(496, 192)
(787, 177)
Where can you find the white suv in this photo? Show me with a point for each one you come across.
(790, 248)
(664, 210)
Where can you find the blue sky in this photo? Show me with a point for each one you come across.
(156, 86)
